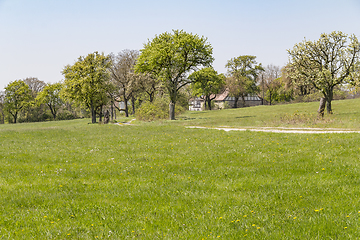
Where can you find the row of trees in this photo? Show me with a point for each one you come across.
(29, 98)
(174, 63)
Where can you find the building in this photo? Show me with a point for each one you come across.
(223, 100)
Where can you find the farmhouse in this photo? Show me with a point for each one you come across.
(223, 100)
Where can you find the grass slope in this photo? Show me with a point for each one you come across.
(73, 180)
(346, 115)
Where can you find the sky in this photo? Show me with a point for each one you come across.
(39, 37)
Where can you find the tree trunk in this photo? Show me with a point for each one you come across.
(328, 107)
(126, 108)
(236, 101)
(100, 114)
(321, 107)
(133, 105)
(243, 100)
(209, 102)
(328, 101)
(93, 114)
(112, 111)
(52, 111)
(172, 110)
(15, 117)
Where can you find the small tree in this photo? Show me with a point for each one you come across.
(17, 96)
(87, 82)
(170, 57)
(268, 77)
(206, 83)
(50, 95)
(325, 63)
(242, 75)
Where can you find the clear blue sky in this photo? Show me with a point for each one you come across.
(39, 37)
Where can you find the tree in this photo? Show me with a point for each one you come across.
(206, 83)
(123, 76)
(242, 74)
(325, 63)
(17, 96)
(50, 95)
(268, 77)
(86, 82)
(170, 57)
(35, 85)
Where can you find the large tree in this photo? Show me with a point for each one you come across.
(325, 63)
(17, 96)
(206, 83)
(242, 75)
(170, 57)
(87, 82)
(50, 95)
(123, 76)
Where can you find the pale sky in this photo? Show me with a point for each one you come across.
(39, 37)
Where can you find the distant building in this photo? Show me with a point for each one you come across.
(223, 99)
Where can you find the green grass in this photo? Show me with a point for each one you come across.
(160, 180)
(346, 115)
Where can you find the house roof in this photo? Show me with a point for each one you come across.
(221, 96)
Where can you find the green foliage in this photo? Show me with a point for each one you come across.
(65, 115)
(171, 56)
(150, 111)
(17, 97)
(158, 109)
(86, 82)
(325, 63)
(207, 82)
(243, 72)
(50, 95)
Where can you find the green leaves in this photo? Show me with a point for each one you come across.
(171, 56)
(206, 82)
(17, 96)
(86, 82)
(50, 96)
(243, 72)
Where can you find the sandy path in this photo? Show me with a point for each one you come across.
(282, 129)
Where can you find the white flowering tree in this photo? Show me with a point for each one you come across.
(325, 63)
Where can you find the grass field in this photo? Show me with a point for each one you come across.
(160, 180)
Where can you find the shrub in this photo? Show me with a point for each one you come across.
(158, 109)
(65, 115)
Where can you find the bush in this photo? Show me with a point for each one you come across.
(65, 115)
(158, 109)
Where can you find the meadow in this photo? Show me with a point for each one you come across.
(161, 180)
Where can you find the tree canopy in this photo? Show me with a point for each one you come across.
(17, 96)
(206, 83)
(325, 63)
(170, 57)
(86, 82)
(50, 95)
(242, 75)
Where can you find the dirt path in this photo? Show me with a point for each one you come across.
(126, 123)
(282, 129)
